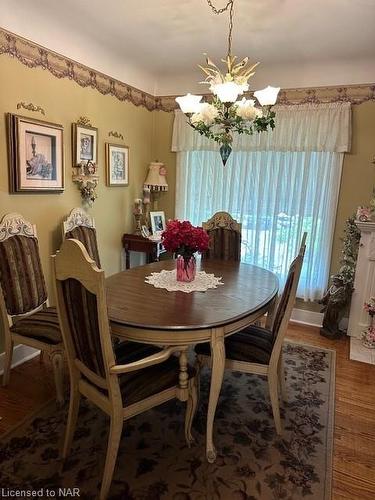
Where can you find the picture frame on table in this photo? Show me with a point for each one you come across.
(157, 222)
(35, 155)
(117, 164)
(145, 231)
(85, 144)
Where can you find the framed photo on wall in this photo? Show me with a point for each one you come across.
(117, 164)
(85, 144)
(157, 222)
(35, 155)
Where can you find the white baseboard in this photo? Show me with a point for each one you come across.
(310, 318)
(21, 353)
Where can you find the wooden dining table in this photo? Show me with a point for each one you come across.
(142, 313)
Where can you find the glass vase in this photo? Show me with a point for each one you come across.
(185, 269)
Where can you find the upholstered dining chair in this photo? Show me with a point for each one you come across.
(224, 237)
(24, 312)
(258, 350)
(122, 387)
(80, 225)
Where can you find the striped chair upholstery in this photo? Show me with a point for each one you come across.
(42, 325)
(87, 236)
(82, 313)
(21, 274)
(224, 244)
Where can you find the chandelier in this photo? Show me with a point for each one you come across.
(224, 115)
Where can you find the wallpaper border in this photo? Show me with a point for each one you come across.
(33, 55)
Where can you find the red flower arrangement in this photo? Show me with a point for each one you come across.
(182, 238)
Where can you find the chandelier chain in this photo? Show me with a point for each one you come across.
(230, 6)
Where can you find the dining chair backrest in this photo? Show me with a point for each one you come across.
(82, 309)
(21, 275)
(287, 300)
(80, 226)
(224, 237)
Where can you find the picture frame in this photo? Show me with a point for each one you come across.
(85, 144)
(145, 231)
(157, 222)
(35, 155)
(117, 164)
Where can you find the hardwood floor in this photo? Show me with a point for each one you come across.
(354, 439)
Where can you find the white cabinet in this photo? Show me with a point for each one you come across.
(364, 282)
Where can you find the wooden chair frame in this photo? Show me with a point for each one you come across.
(14, 224)
(73, 261)
(274, 371)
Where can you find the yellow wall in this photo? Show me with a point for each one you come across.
(64, 102)
(148, 134)
(358, 176)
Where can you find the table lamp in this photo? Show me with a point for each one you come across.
(156, 181)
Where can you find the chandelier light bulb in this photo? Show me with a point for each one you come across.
(189, 103)
(228, 91)
(267, 96)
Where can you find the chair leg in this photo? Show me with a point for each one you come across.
(112, 450)
(8, 354)
(197, 379)
(57, 361)
(191, 408)
(274, 396)
(281, 377)
(72, 419)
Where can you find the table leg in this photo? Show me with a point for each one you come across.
(183, 375)
(217, 374)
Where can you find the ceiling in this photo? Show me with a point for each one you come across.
(156, 45)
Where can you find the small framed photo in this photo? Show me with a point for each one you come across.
(35, 155)
(145, 232)
(157, 222)
(85, 144)
(117, 164)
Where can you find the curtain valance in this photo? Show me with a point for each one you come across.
(306, 127)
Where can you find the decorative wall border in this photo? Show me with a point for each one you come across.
(33, 55)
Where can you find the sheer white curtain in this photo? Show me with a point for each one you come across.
(276, 195)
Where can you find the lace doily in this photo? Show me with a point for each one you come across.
(167, 279)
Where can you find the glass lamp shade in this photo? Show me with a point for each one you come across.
(267, 96)
(156, 178)
(228, 91)
(189, 103)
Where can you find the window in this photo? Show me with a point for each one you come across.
(276, 196)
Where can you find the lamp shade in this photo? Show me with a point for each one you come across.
(228, 91)
(189, 103)
(156, 178)
(267, 96)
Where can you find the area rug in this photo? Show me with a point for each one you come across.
(154, 462)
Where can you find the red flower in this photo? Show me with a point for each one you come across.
(184, 239)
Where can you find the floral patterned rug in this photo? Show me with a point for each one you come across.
(154, 462)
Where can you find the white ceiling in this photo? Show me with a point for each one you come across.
(156, 44)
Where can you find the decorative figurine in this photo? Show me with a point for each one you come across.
(137, 212)
(335, 301)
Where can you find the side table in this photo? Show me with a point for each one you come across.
(137, 243)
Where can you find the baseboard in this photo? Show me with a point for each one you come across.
(310, 318)
(21, 353)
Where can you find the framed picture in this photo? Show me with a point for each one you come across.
(35, 155)
(157, 222)
(85, 144)
(145, 232)
(117, 164)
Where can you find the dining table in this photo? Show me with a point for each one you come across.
(140, 312)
